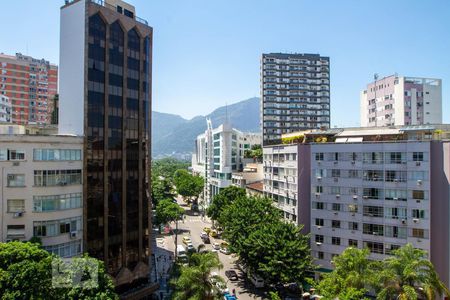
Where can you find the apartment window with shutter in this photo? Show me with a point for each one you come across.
(15, 205)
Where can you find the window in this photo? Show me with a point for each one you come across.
(418, 233)
(16, 154)
(15, 205)
(353, 173)
(416, 194)
(353, 243)
(372, 193)
(319, 238)
(56, 227)
(56, 177)
(396, 212)
(66, 249)
(353, 208)
(389, 248)
(336, 190)
(336, 240)
(319, 189)
(417, 156)
(319, 205)
(335, 173)
(319, 222)
(374, 229)
(395, 157)
(56, 154)
(16, 180)
(374, 247)
(418, 213)
(336, 224)
(336, 206)
(320, 255)
(373, 211)
(395, 232)
(319, 156)
(399, 195)
(56, 202)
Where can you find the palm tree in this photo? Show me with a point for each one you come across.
(194, 282)
(409, 275)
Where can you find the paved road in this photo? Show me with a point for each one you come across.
(192, 226)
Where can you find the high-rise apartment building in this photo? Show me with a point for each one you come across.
(219, 153)
(397, 100)
(30, 84)
(295, 94)
(5, 109)
(41, 183)
(105, 96)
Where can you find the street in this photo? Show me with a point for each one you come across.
(192, 226)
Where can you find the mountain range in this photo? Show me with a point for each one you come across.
(174, 135)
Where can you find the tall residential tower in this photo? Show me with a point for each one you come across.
(395, 100)
(105, 96)
(295, 94)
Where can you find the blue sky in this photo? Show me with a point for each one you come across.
(207, 52)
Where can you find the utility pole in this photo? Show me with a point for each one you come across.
(176, 240)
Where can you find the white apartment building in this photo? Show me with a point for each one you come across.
(41, 191)
(218, 154)
(381, 188)
(5, 109)
(398, 100)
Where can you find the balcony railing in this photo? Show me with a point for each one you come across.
(112, 7)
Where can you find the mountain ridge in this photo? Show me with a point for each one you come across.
(175, 135)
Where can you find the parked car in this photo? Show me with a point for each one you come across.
(257, 281)
(222, 287)
(203, 234)
(213, 233)
(190, 247)
(186, 240)
(231, 274)
(216, 246)
(207, 230)
(225, 250)
(206, 239)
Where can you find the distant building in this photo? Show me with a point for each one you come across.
(252, 172)
(41, 182)
(397, 100)
(30, 84)
(218, 154)
(295, 94)
(255, 188)
(105, 96)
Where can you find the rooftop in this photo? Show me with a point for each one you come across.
(256, 186)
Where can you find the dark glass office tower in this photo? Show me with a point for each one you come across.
(116, 88)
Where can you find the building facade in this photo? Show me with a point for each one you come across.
(397, 100)
(5, 109)
(30, 84)
(105, 96)
(218, 154)
(377, 188)
(295, 94)
(41, 182)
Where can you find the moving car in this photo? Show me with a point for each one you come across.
(231, 274)
(181, 253)
(206, 239)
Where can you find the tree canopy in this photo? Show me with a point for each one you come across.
(224, 198)
(26, 273)
(168, 211)
(188, 185)
(167, 167)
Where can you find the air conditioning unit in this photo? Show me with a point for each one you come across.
(335, 212)
(335, 162)
(353, 162)
(353, 214)
(338, 196)
(317, 194)
(318, 226)
(319, 178)
(335, 179)
(73, 234)
(415, 220)
(417, 201)
(366, 197)
(318, 243)
(355, 197)
(419, 182)
(18, 214)
(395, 180)
(16, 163)
(395, 198)
(403, 221)
(387, 246)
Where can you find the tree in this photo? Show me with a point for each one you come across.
(161, 189)
(255, 152)
(409, 275)
(167, 167)
(168, 211)
(353, 276)
(244, 216)
(278, 252)
(55, 112)
(194, 282)
(26, 273)
(224, 198)
(188, 185)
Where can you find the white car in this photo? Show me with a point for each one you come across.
(225, 251)
(222, 287)
(216, 246)
(190, 247)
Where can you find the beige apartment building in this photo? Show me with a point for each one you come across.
(41, 191)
